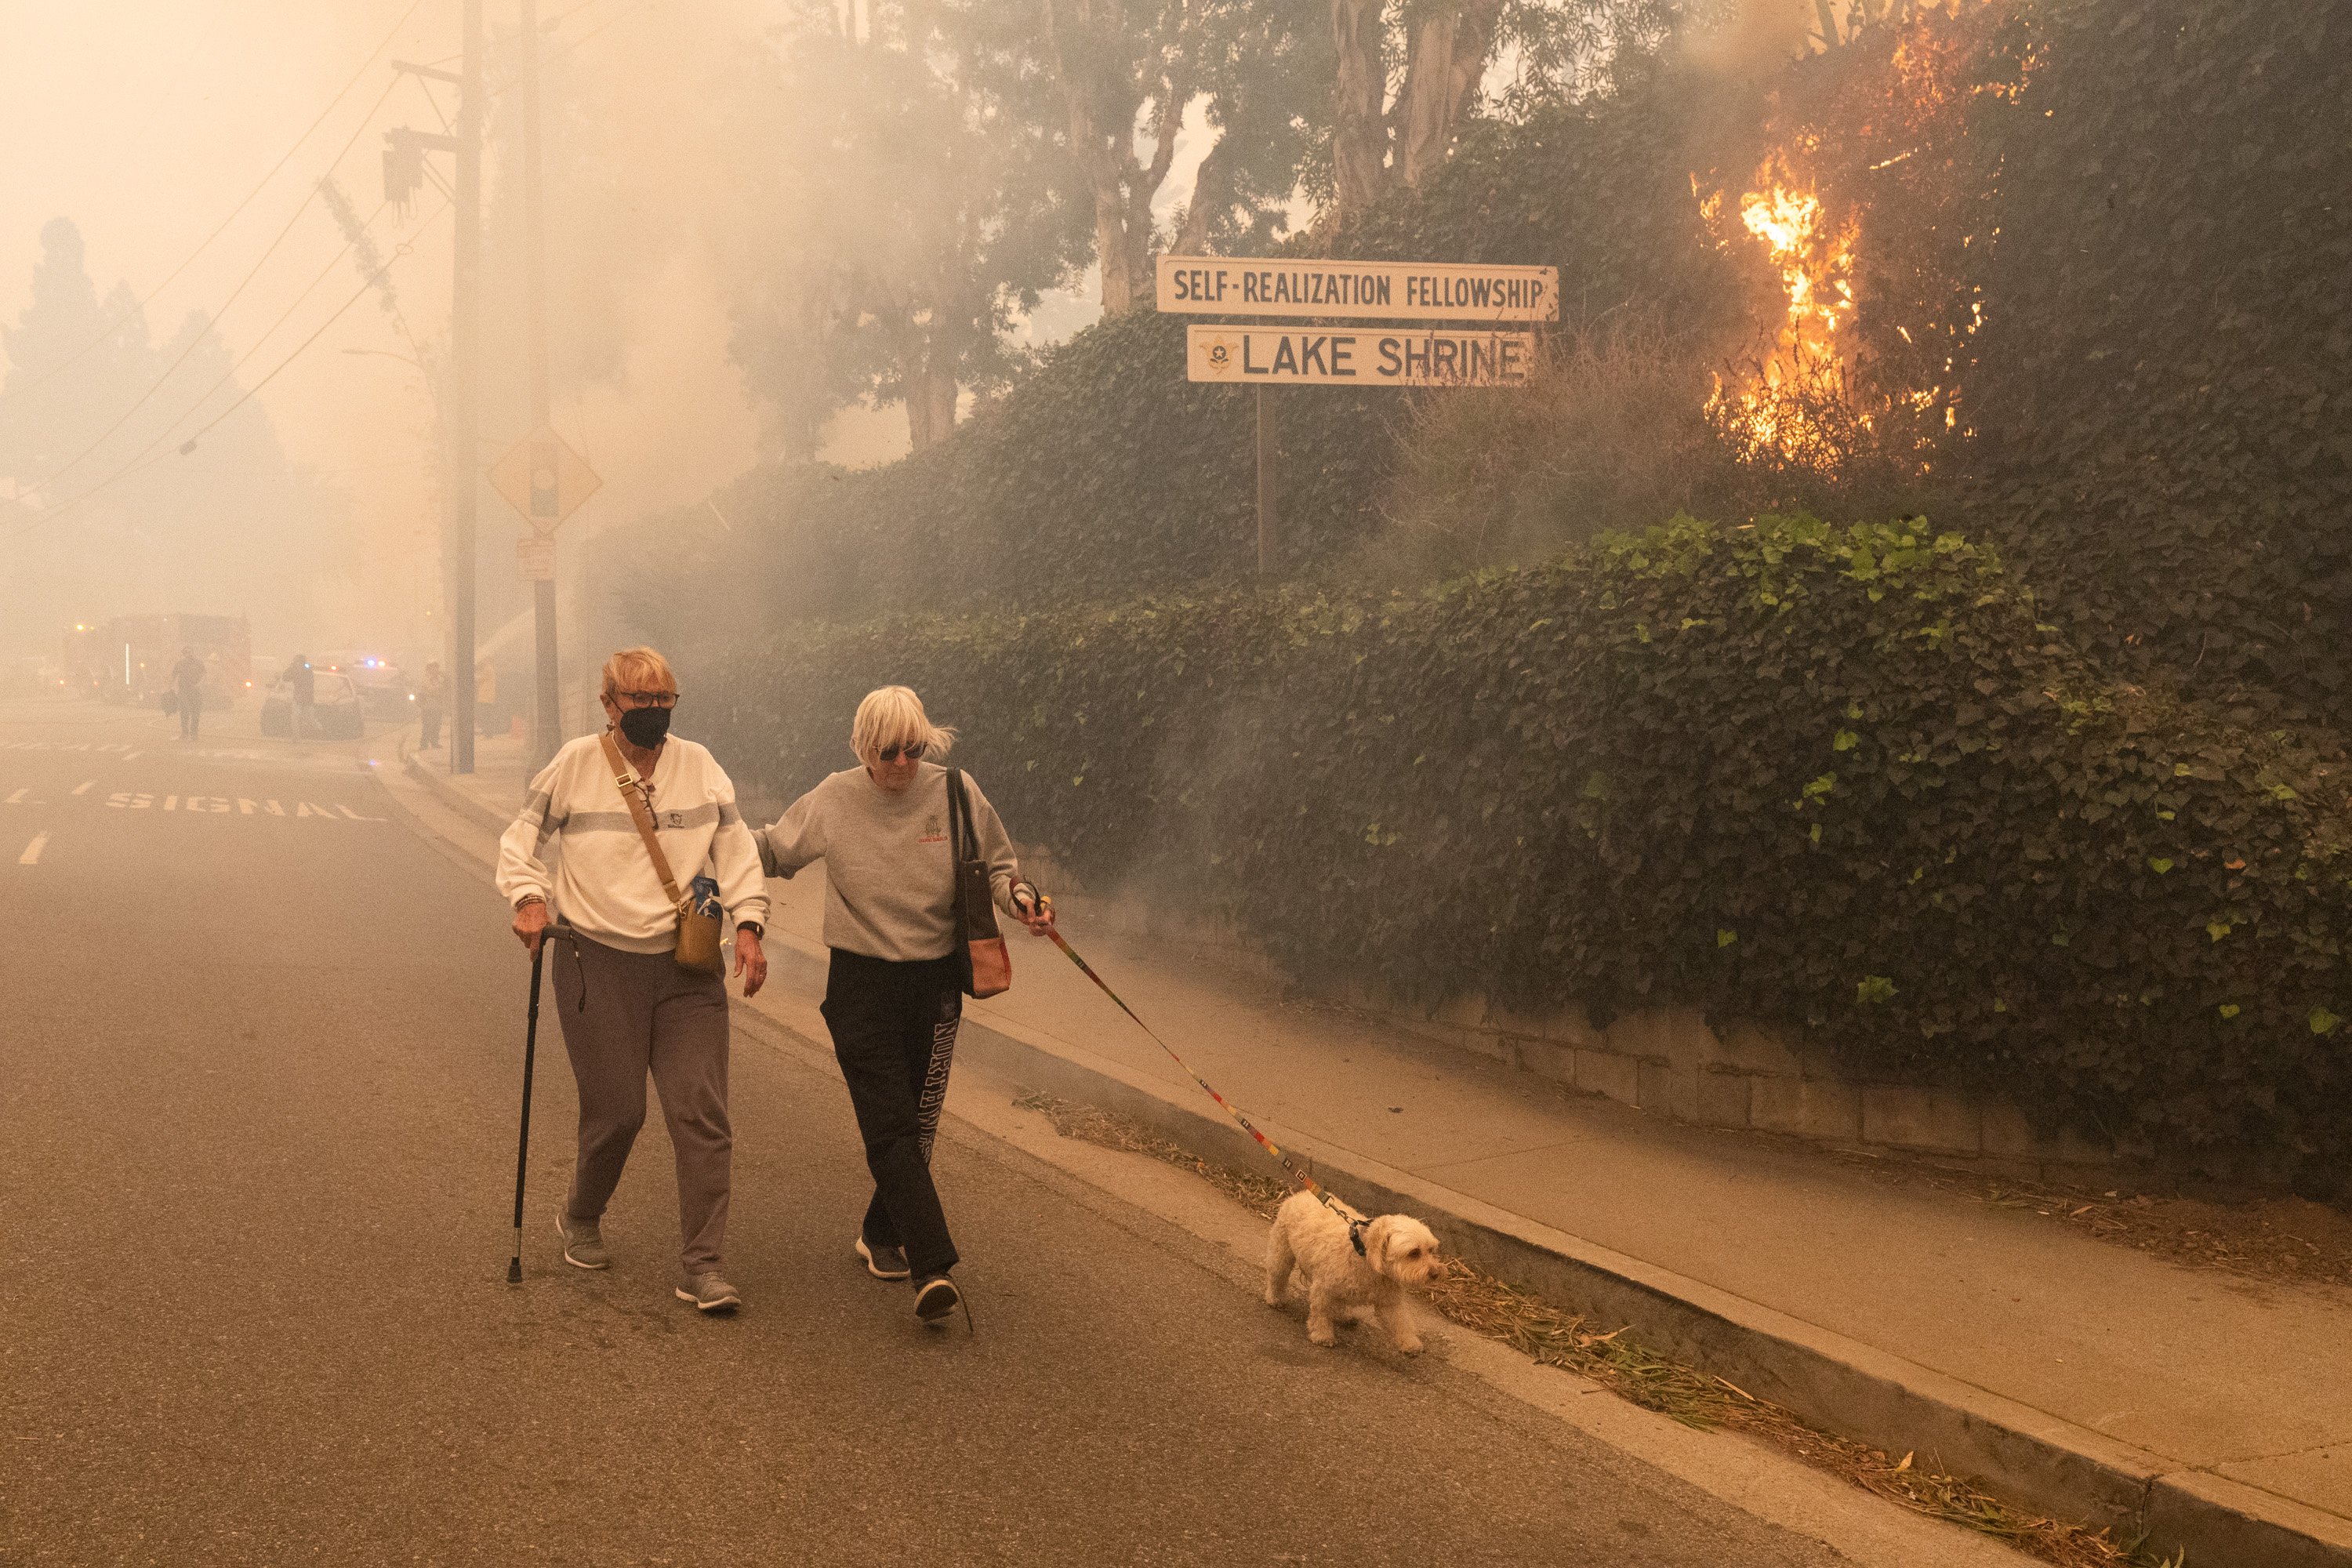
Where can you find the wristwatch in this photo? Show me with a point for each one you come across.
(754, 927)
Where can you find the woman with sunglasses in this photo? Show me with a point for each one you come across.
(893, 996)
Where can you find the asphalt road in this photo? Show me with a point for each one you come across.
(257, 1071)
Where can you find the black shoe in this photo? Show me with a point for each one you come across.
(935, 1299)
(883, 1262)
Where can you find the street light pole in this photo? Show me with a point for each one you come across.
(465, 346)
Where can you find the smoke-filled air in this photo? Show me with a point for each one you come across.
(1213, 700)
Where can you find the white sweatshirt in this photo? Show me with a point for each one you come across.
(889, 885)
(605, 883)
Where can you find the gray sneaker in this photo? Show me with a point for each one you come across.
(710, 1293)
(935, 1299)
(583, 1242)
(883, 1262)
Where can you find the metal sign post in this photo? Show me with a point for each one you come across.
(545, 480)
(1473, 299)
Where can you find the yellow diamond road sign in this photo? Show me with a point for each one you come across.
(544, 479)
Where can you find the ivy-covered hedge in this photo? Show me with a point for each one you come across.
(1849, 779)
(2162, 394)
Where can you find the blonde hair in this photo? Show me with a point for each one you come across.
(638, 669)
(894, 716)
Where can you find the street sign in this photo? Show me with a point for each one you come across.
(1362, 290)
(544, 479)
(535, 558)
(1276, 356)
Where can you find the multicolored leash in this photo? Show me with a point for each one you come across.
(1301, 1179)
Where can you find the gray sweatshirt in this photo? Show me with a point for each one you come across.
(889, 880)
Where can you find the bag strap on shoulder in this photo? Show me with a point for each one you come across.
(642, 814)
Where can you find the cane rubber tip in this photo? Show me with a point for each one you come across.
(514, 1271)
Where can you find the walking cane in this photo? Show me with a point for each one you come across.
(522, 1139)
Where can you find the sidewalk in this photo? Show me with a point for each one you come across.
(2082, 1377)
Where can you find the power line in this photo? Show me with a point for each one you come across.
(146, 300)
(196, 340)
(140, 460)
(406, 246)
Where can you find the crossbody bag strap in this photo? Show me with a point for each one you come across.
(625, 782)
(959, 833)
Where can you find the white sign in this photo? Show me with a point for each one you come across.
(1360, 357)
(535, 558)
(1371, 290)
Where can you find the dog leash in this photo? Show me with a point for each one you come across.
(1354, 1221)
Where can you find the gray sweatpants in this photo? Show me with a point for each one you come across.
(625, 1014)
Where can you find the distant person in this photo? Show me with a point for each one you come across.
(188, 676)
(431, 700)
(301, 696)
(626, 1007)
(894, 993)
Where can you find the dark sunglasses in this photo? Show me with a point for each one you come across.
(912, 752)
(649, 698)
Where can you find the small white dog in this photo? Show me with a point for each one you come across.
(1398, 1252)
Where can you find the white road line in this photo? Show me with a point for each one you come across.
(18, 798)
(83, 787)
(127, 755)
(32, 855)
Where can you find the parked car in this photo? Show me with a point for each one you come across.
(335, 702)
(382, 685)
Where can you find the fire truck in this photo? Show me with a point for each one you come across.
(130, 658)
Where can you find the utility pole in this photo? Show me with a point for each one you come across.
(403, 174)
(465, 352)
(546, 734)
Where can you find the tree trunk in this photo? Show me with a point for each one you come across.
(1444, 63)
(930, 407)
(1359, 132)
(1212, 192)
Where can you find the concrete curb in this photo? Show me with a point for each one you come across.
(2025, 1455)
(2021, 1453)
(455, 798)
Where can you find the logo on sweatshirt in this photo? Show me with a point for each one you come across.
(934, 831)
(678, 819)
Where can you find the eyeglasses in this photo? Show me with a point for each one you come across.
(648, 698)
(912, 752)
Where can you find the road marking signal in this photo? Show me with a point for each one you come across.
(83, 787)
(32, 855)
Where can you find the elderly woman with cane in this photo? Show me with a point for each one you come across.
(640, 986)
(893, 996)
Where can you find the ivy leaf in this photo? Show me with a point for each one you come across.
(1873, 989)
(2228, 1009)
(1725, 938)
(2159, 864)
(2324, 1022)
(1844, 740)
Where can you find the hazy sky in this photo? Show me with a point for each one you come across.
(148, 121)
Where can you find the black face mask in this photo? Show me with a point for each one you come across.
(646, 727)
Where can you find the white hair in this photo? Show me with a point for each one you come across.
(894, 716)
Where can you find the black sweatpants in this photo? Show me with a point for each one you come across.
(894, 1030)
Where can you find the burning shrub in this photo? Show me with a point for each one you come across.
(1843, 778)
(1614, 432)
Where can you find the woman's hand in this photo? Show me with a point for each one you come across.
(1035, 912)
(531, 923)
(751, 961)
